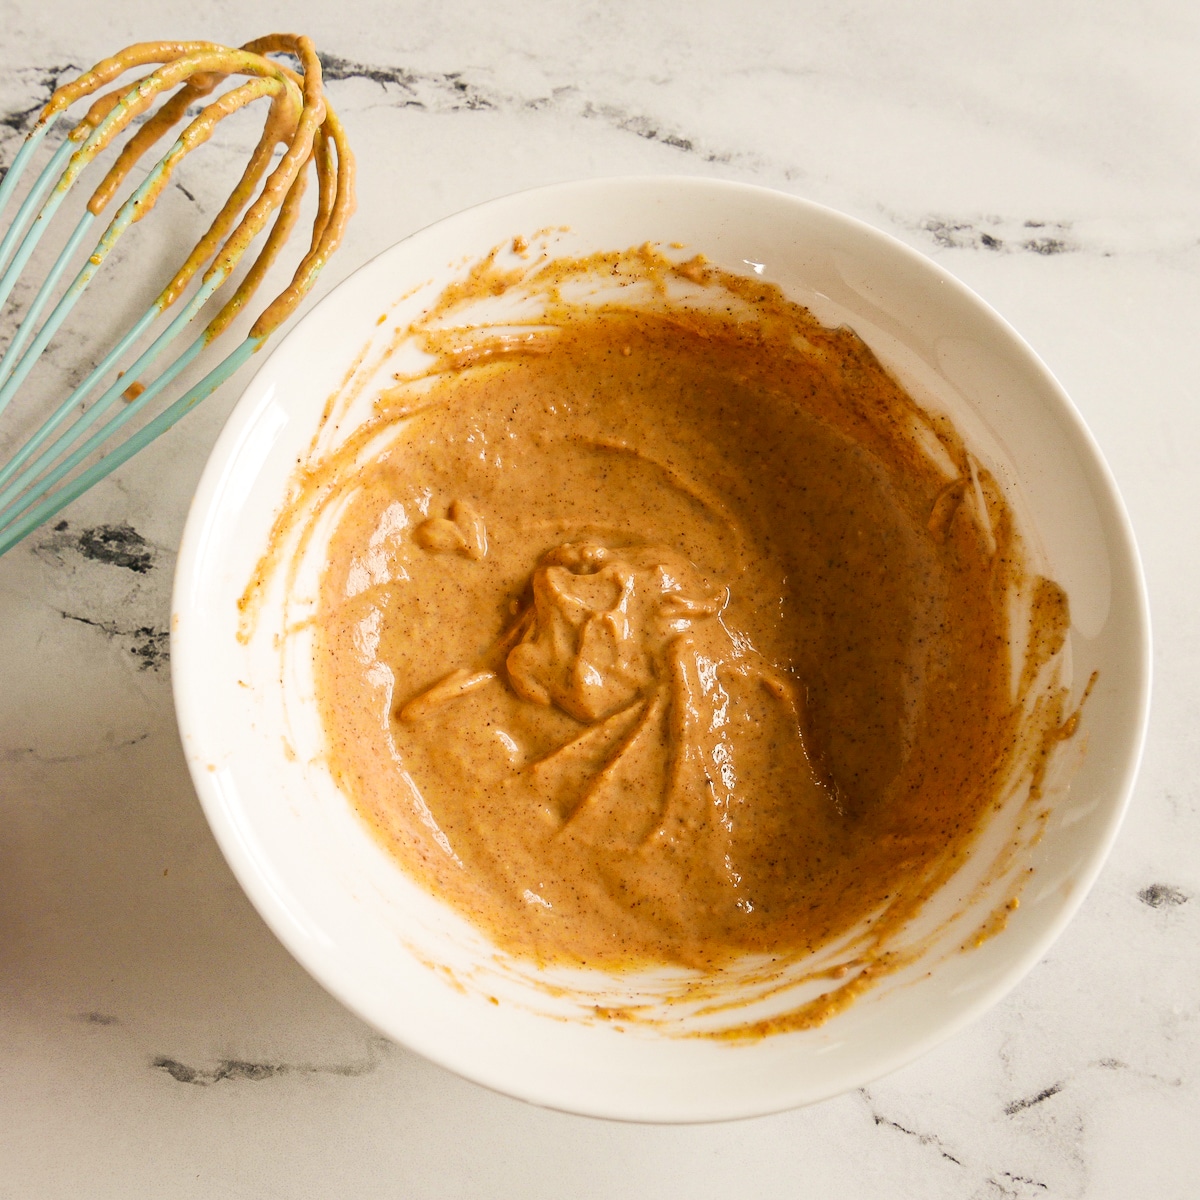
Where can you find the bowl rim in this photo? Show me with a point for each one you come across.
(248, 871)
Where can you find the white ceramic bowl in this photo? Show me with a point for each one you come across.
(405, 962)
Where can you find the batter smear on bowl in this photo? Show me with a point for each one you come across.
(665, 629)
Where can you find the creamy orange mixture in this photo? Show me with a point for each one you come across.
(659, 636)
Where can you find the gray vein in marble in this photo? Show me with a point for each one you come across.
(645, 128)
(116, 544)
(229, 1068)
(980, 1178)
(120, 545)
(1021, 1181)
(98, 1018)
(241, 1070)
(450, 92)
(150, 645)
(1163, 895)
(34, 86)
(434, 91)
(23, 94)
(924, 1139)
(1016, 1106)
(1018, 1180)
(1000, 235)
(28, 752)
(111, 578)
(1115, 1064)
(453, 92)
(1024, 1104)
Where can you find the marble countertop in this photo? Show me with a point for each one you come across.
(155, 1039)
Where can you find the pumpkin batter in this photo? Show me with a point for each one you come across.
(659, 635)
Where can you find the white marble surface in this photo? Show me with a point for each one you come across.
(155, 1040)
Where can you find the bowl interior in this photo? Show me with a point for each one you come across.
(400, 958)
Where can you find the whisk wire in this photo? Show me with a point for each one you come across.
(8, 183)
(120, 387)
(40, 478)
(31, 202)
(18, 529)
(125, 216)
(72, 402)
(13, 365)
(110, 427)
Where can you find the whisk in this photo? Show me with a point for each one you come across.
(48, 471)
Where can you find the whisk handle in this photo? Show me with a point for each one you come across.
(59, 499)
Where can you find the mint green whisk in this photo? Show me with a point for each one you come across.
(81, 441)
